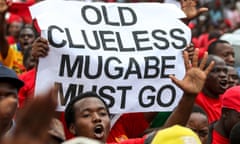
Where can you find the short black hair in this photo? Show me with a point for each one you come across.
(212, 46)
(198, 109)
(10, 76)
(70, 111)
(30, 26)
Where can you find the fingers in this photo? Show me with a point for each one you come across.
(175, 80)
(186, 60)
(203, 63)
(40, 48)
(204, 60)
(209, 68)
(190, 49)
(43, 40)
(195, 58)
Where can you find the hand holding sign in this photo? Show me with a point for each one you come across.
(195, 76)
(40, 48)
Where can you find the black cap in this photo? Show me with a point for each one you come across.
(10, 76)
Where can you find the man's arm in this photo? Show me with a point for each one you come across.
(4, 46)
(191, 84)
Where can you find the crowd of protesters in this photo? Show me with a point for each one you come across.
(208, 112)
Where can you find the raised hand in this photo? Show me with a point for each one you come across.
(4, 5)
(195, 76)
(34, 121)
(190, 49)
(189, 8)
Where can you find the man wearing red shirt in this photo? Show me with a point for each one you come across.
(216, 83)
(220, 131)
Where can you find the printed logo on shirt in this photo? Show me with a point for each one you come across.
(121, 138)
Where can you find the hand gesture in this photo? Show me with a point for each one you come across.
(190, 49)
(33, 122)
(189, 8)
(4, 5)
(40, 48)
(195, 76)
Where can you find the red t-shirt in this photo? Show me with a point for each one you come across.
(203, 40)
(27, 91)
(210, 105)
(218, 139)
(128, 126)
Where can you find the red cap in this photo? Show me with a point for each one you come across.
(22, 9)
(231, 98)
(14, 18)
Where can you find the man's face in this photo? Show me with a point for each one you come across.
(225, 51)
(14, 29)
(8, 101)
(26, 38)
(199, 124)
(91, 119)
(216, 82)
(232, 77)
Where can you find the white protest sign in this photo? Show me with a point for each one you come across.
(123, 51)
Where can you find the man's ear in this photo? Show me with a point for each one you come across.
(72, 129)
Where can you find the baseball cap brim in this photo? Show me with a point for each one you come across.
(16, 82)
(9, 76)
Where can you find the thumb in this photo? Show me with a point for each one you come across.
(175, 80)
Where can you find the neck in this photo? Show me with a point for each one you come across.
(209, 94)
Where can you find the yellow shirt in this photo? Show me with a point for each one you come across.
(14, 60)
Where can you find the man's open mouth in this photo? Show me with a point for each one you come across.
(99, 131)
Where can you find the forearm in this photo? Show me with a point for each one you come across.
(182, 112)
(3, 41)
